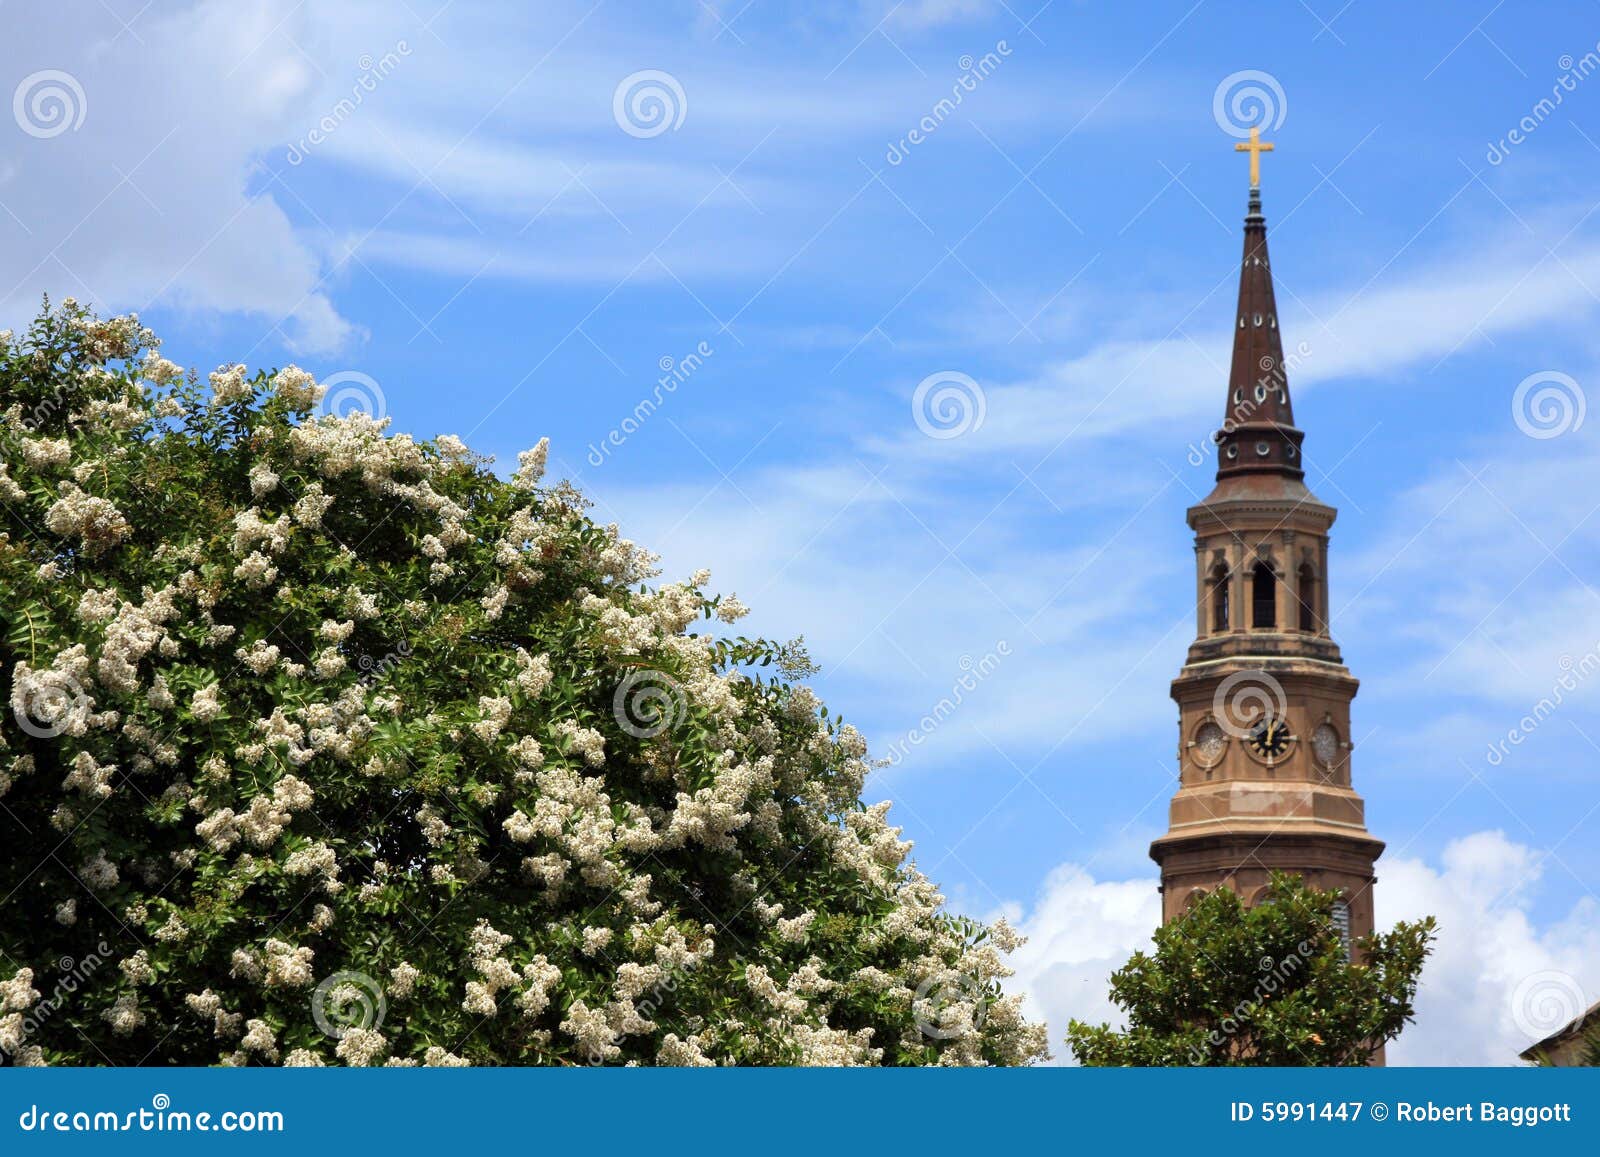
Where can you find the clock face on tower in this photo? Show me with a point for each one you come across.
(1271, 737)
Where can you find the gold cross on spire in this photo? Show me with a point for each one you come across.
(1255, 146)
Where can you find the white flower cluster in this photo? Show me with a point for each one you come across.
(17, 995)
(207, 688)
(96, 522)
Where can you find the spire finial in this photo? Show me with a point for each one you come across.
(1255, 146)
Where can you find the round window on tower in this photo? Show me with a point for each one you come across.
(1210, 743)
(1233, 451)
(1263, 449)
(1325, 744)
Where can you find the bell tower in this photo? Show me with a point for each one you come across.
(1264, 698)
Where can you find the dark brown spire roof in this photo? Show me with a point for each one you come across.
(1258, 435)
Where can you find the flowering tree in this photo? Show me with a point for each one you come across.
(327, 745)
(1271, 985)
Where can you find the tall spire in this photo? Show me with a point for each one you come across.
(1258, 434)
(1264, 697)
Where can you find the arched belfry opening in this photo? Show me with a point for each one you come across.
(1264, 597)
(1309, 599)
(1221, 598)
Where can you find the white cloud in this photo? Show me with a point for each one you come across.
(150, 197)
(1499, 978)
(1079, 932)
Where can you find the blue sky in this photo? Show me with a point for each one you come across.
(482, 244)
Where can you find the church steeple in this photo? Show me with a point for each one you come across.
(1258, 433)
(1265, 738)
